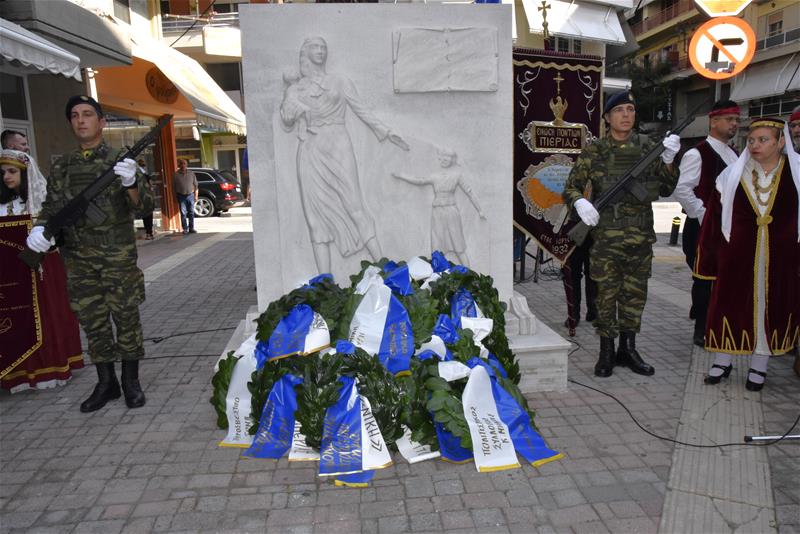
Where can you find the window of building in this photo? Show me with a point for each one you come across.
(12, 97)
(226, 75)
(775, 23)
(165, 7)
(563, 44)
(122, 10)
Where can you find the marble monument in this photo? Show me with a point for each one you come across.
(349, 107)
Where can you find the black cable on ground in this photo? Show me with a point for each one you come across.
(172, 356)
(159, 339)
(675, 441)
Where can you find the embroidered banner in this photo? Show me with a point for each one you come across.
(20, 318)
(557, 111)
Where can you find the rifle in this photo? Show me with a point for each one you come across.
(82, 202)
(627, 183)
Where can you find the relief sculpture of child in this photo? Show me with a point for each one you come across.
(446, 227)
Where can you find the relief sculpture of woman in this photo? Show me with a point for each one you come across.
(315, 105)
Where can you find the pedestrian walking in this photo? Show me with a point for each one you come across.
(185, 185)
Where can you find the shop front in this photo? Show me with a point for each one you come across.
(162, 81)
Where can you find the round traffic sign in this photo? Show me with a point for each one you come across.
(722, 47)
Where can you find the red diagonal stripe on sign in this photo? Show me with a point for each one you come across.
(720, 46)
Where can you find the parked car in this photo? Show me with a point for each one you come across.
(218, 191)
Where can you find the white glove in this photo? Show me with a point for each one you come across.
(126, 170)
(37, 242)
(672, 144)
(587, 212)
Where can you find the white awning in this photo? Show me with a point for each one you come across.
(770, 78)
(576, 20)
(213, 107)
(622, 4)
(19, 44)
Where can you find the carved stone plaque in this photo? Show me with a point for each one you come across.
(327, 130)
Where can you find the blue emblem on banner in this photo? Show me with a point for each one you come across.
(276, 426)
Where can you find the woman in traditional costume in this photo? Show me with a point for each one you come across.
(750, 249)
(22, 191)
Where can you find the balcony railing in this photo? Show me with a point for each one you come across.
(665, 15)
(779, 39)
(172, 24)
(678, 63)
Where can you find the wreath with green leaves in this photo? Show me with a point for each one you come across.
(414, 401)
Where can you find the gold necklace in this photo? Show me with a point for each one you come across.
(763, 190)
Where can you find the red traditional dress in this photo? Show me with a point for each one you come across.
(60, 351)
(751, 250)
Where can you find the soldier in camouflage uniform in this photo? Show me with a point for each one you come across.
(623, 234)
(104, 283)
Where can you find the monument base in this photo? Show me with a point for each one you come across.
(540, 351)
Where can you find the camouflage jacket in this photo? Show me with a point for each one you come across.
(600, 165)
(71, 174)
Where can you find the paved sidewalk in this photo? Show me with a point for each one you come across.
(159, 469)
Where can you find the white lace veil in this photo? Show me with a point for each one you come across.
(728, 181)
(37, 184)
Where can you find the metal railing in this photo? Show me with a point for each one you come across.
(171, 24)
(779, 39)
(665, 15)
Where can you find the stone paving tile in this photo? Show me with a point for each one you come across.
(159, 469)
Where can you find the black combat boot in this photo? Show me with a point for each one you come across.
(605, 363)
(699, 336)
(627, 356)
(134, 396)
(107, 388)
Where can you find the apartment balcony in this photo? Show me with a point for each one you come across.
(679, 8)
(175, 25)
(676, 62)
(206, 38)
(778, 39)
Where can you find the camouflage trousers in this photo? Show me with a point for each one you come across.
(105, 288)
(621, 270)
